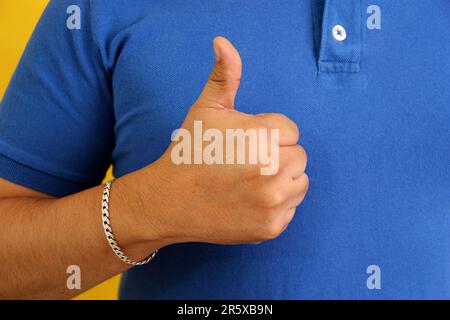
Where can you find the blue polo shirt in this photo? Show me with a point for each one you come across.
(368, 83)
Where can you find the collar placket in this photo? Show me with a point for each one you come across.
(341, 40)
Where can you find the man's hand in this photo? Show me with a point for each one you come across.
(153, 207)
(230, 203)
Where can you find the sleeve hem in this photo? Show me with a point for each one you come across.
(42, 165)
(37, 180)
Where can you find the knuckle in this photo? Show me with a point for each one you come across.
(268, 119)
(220, 78)
(277, 197)
(299, 199)
(257, 124)
(300, 150)
(306, 183)
(271, 197)
(279, 117)
(216, 77)
(301, 154)
(289, 125)
(272, 231)
(294, 155)
(295, 132)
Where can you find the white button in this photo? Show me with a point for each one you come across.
(339, 33)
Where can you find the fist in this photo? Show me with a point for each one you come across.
(232, 201)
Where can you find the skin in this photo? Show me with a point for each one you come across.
(41, 235)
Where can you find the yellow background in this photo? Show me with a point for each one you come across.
(17, 20)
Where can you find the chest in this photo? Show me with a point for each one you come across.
(400, 88)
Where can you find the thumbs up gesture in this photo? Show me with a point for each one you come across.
(230, 202)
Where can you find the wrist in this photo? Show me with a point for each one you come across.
(139, 205)
(125, 228)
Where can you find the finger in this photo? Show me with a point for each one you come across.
(288, 130)
(223, 83)
(293, 161)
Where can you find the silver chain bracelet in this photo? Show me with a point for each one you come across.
(109, 233)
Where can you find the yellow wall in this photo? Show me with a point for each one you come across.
(17, 20)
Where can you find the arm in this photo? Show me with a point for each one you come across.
(42, 236)
(158, 205)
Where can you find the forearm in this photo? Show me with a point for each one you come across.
(40, 237)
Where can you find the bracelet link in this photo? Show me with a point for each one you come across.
(110, 235)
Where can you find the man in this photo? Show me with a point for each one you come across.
(372, 102)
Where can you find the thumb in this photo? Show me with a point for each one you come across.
(223, 83)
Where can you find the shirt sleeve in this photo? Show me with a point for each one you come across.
(56, 117)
